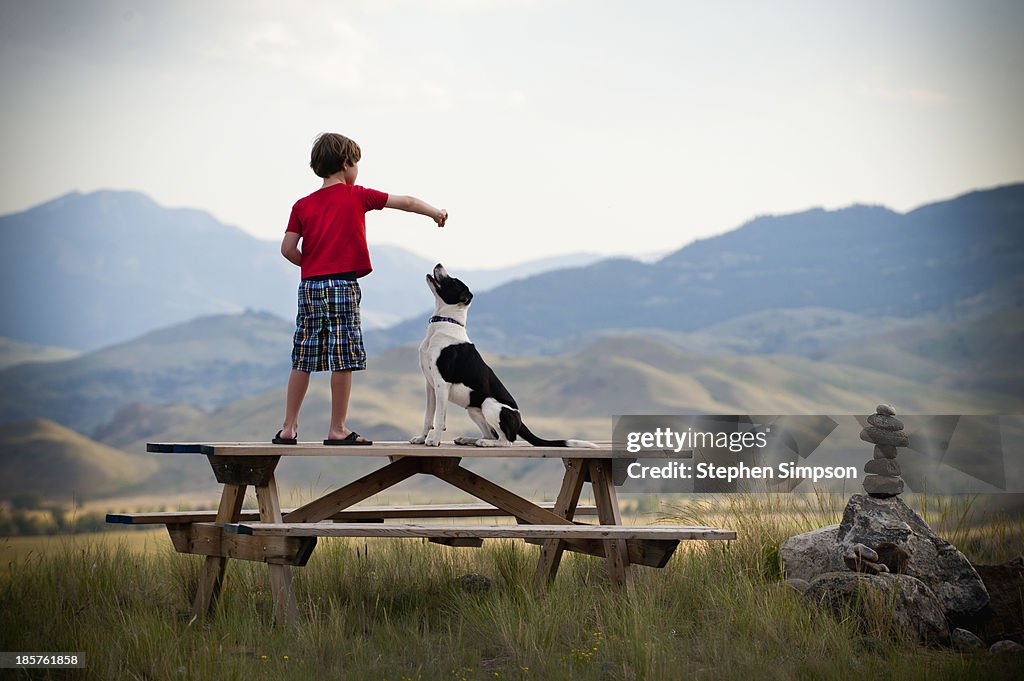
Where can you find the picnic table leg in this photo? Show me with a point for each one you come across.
(565, 506)
(616, 553)
(285, 609)
(211, 576)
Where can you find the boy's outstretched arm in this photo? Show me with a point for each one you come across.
(414, 205)
(290, 248)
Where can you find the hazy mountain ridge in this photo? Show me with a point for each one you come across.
(863, 260)
(87, 270)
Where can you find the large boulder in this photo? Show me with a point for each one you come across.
(933, 560)
(807, 555)
(895, 606)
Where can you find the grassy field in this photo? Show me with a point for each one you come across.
(395, 609)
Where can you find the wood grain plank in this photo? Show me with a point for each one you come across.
(565, 507)
(211, 576)
(285, 609)
(353, 513)
(354, 492)
(602, 532)
(616, 555)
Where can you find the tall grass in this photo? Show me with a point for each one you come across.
(394, 609)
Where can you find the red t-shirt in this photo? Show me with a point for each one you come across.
(332, 224)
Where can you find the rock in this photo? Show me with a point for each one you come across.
(475, 583)
(805, 556)
(859, 564)
(965, 641)
(892, 556)
(883, 486)
(797, 584)
(885, 452)
(885, 410)
(933, 560)
(885, 422)
(864, 553)
(898, 605)
(883, 467)
(1006, 648)
(1003, 616)
(878, 436)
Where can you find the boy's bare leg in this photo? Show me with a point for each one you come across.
(298, 383)
(341, 390)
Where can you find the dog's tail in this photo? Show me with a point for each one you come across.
(525, 433)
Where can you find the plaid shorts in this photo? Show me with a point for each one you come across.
(327, 332)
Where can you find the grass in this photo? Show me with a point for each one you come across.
(395, 609)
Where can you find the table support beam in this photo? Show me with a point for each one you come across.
(354, 492)
(211, 576)
(565, 506)
(285, 609)
(615, 551)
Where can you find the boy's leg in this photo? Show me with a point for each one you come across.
(298, 383)
(341, 390)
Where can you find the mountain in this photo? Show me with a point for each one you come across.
(863, 260)
(88, 270)
(84, 271)
(396, 289)
(206, 362)
(40, 456)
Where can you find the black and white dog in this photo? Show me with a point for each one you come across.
(455, 371)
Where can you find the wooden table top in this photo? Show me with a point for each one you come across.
(378, 448)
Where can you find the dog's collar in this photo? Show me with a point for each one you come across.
(435, 318)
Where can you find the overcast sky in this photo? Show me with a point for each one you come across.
(543, 127)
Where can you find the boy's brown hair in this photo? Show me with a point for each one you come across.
(331, 151)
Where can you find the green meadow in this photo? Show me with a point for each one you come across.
(396, 609)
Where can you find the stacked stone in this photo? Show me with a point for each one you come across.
(885, 431)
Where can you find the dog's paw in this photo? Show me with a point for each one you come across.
(432, 441)
(418, 440)
(489, 443)
(465, 441)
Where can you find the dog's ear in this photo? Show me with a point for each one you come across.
(466, 297)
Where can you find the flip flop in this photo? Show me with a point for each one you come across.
(351, 439)
(278, 440)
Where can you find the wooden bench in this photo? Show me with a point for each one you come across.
(353, 514)
(525, 531)
(184, 537)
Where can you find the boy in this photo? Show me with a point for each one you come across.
(331, 224)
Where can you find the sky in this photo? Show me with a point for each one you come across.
(543, 127)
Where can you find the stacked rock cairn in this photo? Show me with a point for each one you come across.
(885, 431)
(882, 481)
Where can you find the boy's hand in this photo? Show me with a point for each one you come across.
(441, 217)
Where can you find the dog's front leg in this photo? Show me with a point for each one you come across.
(433, 439)
(428, 417)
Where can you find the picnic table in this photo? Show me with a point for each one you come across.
(284, 538)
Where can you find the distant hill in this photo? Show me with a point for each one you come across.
(56, 462)
(88, 270)
(15, 352)
(576, 394)
(206, 362)
(863, 260)
(572, 395)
